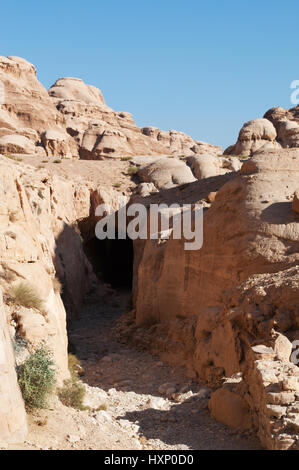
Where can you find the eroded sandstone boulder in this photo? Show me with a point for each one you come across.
(206, 165)
(253, 136)
(166, 173)
(14, 143)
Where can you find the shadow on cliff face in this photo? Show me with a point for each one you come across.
(81, 266)
(72, 269)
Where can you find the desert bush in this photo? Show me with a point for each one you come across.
(36, 377)
(132, 170)
(117, 185)
(13, 157)
(57, 160)
(73, 392)
(26, 295)
(126, 159)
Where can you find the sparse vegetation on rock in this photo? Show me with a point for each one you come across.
(36, 378)
(26, 295)
(73, 392)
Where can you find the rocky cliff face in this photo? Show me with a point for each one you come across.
(37, 217)
(13, 425)
(250, 252)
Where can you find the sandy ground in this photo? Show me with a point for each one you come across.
(147, 404)
(99, 173)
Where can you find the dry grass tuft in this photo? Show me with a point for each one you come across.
(26, 295)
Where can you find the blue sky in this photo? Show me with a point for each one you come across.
(202, 67)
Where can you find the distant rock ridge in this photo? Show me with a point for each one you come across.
(73, 120)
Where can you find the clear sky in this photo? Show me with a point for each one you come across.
(202, 67)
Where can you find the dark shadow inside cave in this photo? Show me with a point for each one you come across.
(112, 261)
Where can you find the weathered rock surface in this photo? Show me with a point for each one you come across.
(166, 173)
(207, 165)
(37, 213)
(13, 425)
(72, 120)
(239, 288)
(28, 110)
(295, 204)
(104, 133)
(253, 136)
(278, 128)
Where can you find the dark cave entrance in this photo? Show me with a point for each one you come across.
(112, 261)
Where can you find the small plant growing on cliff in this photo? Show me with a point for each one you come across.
(36, 377)
(73, 392)
(26, 295)
(57, 160)
(132, 170)
(13, 157)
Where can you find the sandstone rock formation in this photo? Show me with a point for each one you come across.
(286, 123)
(28, 111)
(37, 217)
(250, 230)
(13, 425)
(207, 165)
(253, 136)
(278, 128)
(73, 120)
(166, 173)
(103, 133)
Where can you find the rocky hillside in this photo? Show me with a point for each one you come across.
(72, 120)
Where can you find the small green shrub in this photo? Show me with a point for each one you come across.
(57, 161)
(26, 295)
(117, 185)
(132, 170)
(13, 157)
(72, 394)
(126, 159)
(36, 378)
